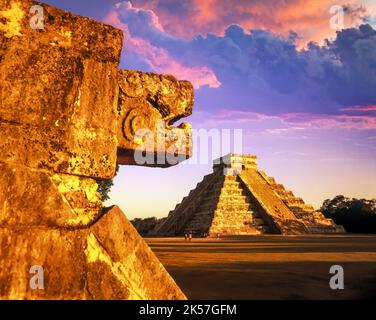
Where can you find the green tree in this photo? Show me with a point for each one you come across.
(355, 215)
(105, 185)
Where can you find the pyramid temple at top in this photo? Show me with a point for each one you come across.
(239, 199)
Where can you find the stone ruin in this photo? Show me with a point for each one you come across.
(239, 199)
(67, 117)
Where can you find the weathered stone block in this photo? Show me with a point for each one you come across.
(108, 260)
(31, 197)
(58, 91)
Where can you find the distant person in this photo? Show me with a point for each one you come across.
(185, 236)
(190, 236)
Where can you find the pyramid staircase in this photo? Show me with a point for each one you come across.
(315, 221)
(227, 209)
(238, 199)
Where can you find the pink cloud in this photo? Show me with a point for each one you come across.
(368, 108)
(280, 16)
(158, 58)
(290, 120)
(324, 121)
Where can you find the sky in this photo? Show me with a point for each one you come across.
(296, 78)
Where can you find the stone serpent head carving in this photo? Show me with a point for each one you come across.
(67, 117)
(148, 106)
(67, 108)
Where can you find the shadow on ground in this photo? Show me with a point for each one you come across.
(270, 267)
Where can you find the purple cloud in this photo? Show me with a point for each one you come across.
(264, 72)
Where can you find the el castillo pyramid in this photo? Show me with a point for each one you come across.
(239, 199)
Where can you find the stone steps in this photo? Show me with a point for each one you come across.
(232, 192)
(315, 229)
(295, 202)
(233, 206)
(235, 198)
(209, 205)
(284, 193)
(301, 212)
(254, 219)
(227, 183)
(200, 222)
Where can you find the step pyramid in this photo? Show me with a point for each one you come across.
(239, 199)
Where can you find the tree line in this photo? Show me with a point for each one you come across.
(355, 215)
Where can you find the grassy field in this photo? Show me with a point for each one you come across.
(270, 267)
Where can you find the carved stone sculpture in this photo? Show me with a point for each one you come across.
(62, 124)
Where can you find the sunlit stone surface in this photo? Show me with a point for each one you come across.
(239, 199)
(59, 119)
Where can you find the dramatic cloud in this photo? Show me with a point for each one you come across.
(140, 53)
(260, 70)
(186, 19)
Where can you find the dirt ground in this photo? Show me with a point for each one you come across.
(270, 267)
